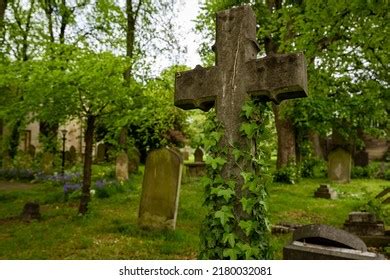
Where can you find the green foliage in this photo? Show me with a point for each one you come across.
(370, 171)
(226, 234)
(313, 168)
(289, 174)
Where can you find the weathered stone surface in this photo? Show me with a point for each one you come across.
(198, 155)
(303, 251)
(122, 169)
(321, 242)
(364, 224)
(160, 189)
(47, 163)
(31, 211)
(339, 166)
(327, 235)
(325, 191)
(196, 169)
(101, 153)
(236, 77)
(361, 158)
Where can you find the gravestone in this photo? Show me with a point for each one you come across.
(339, 166)
(160, 189)
(198, 155)
(121, 167)
(361, 159)
(47, 163)
(72, 155)
(237, 76)
(101, 153)
(197, 168)
(322, 242)
(325, 191)
(364, 223)
(134, 159)
(31, 211)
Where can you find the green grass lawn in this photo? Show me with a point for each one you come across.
(110, 229)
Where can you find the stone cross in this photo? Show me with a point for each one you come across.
(237, 76)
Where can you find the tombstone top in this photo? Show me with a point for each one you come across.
(198, 155)
(327, 235)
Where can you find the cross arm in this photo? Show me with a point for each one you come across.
(278, 77)
(196, 88)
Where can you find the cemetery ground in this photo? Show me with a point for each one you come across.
(110, 230)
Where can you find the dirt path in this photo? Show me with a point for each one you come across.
(7, 186)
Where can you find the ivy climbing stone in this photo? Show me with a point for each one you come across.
(228, 86)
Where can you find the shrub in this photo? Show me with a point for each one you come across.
(288, 174)
(313, 168)
(370, 171)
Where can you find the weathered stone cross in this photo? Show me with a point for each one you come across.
(237, 76)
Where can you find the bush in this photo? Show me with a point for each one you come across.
(313, 168)
(17, 174)
(288, 174)
(370, 171)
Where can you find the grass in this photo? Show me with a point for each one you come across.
(110, 229)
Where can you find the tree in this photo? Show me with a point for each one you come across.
(82, 85)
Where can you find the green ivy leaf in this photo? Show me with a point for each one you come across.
(236, 154)
(249, 129)
(230, 238)
(248, 109)
(247, 176)
(224, 214)
(215, 162)
(247, 204)
(231, 253)
(226, 193)
(246, 226)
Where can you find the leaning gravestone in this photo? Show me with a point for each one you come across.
(236, 77)
(47, 163)
(339, 166)
(322, 242)
(160, 189)
(122, 169)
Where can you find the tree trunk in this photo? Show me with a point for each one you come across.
(14, 139)
(284, 128)
(131, 14)
(85, 196)
(316, 146)
(3, 7)
(286, 139)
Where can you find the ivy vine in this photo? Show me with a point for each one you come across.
(224, 233)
